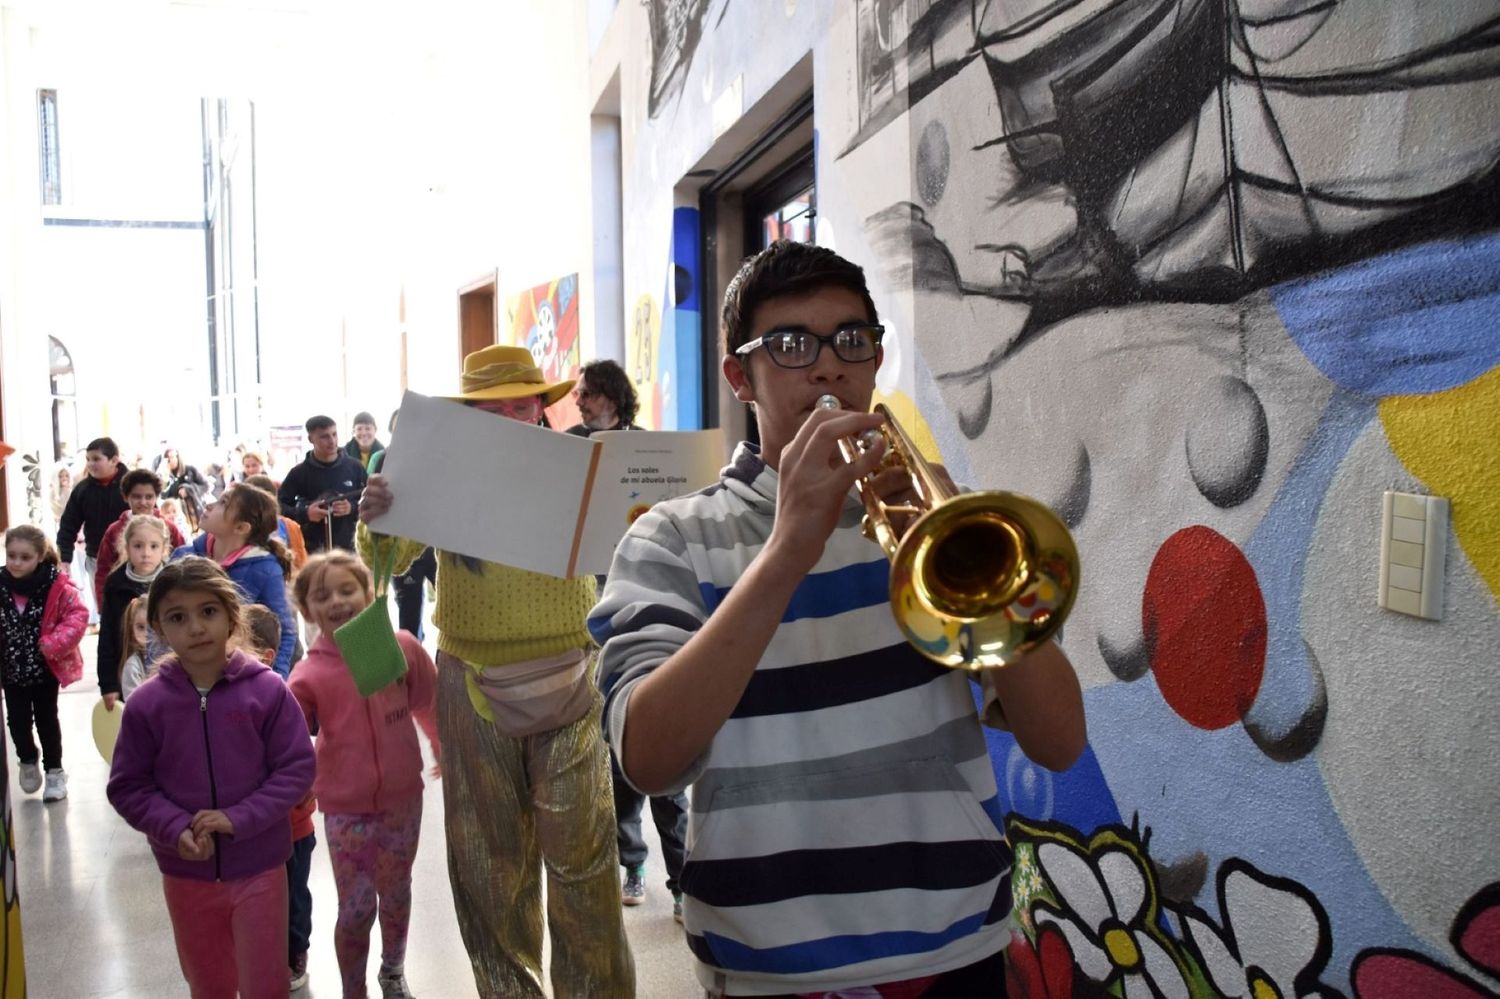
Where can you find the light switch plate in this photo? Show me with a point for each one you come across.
(1413, 546)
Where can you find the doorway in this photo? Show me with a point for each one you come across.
(478, 325)
(768, 192)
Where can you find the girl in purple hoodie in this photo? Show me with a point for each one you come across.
(212, 755)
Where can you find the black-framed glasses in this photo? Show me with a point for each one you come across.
(799, 348)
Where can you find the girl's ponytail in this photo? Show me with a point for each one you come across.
(260, 510)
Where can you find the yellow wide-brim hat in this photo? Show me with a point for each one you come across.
(506, 373)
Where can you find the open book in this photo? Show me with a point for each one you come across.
(477, 484)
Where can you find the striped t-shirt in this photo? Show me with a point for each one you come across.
(845, 828)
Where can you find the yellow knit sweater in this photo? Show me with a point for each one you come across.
(496, 614)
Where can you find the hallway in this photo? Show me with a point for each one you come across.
(94, 922)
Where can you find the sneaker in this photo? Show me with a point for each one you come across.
(677, 906)
(57, 786)
(297, 971)
(634, 891)
(31, 778)
(393, 984)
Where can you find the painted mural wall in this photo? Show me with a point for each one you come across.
(1206, 276)
(544, 320)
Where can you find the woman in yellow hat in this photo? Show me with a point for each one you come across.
(526, 775)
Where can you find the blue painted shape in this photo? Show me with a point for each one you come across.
(1277, 551)
(1419, 320)
(1216, 793)
(1079, 796)
(686, 346)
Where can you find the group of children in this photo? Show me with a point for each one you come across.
(214, 761)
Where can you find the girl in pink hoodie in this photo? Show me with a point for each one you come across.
(369, 784)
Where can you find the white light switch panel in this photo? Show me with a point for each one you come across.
(1413, 545)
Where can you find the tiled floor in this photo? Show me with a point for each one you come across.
(94, 922)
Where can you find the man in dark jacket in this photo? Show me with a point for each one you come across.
(319, 494)
(94, 504)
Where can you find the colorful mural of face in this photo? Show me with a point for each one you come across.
(542, 340)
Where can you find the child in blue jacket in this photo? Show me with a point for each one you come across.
(239, 533)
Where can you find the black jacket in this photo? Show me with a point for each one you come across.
(312, 481)
(93, 506)
(119, 590)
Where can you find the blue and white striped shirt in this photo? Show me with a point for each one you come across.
(845, 828)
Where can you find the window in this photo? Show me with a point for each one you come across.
(64, 401)
(51, 159)
(784, 205)
(792, 221)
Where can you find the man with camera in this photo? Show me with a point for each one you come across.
(320, 492)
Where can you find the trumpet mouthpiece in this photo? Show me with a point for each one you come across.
(828, 402)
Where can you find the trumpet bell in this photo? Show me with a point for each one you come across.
(983, 578)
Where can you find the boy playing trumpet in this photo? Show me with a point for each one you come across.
(845, 829)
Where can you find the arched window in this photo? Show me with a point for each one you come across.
(64, 400)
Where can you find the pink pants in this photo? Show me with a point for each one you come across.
(231, 935)
(372, 857)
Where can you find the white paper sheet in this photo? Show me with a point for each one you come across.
(477, 484)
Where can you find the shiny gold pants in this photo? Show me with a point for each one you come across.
(511, 805)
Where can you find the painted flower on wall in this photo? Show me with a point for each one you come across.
(1381, 973)
(1274, 942)
(1107, 910)
(1043, 971)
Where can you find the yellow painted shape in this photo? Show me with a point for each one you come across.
(911, 421)
(1451, 442)
(14, 986)
(642, 352)
(1262, 988)
(1122, 949)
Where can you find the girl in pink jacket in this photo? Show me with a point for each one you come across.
(42, 620)
(369, 784)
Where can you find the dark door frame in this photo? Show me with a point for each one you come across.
(793, 118)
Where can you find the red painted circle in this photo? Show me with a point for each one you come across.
(1204, 621)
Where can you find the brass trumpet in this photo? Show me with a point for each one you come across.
(977, 579)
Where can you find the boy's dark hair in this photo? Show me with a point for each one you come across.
(390, 426)
(785, 268)
(104, 446)
(363, 417)
(140, 477)
(316, 423)
(262, 482)
(610, 380)
(263, 626)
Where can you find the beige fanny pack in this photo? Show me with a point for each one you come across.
(537, 695)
